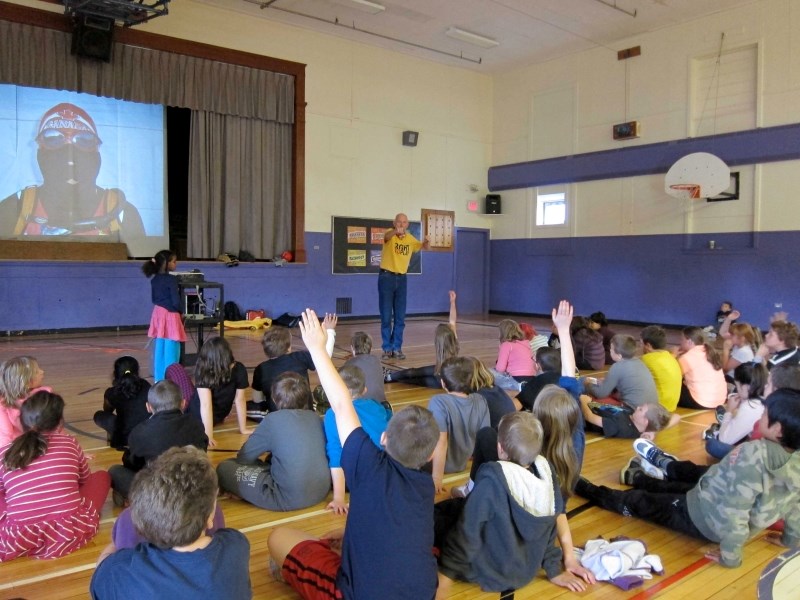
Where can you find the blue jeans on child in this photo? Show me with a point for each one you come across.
(392, 300)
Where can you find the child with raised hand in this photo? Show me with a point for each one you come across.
(166, 322)
(221, 381)
(277, 343)
(506, 530)
(754, 486)
(50, 501)
(124, 403)
(173, 503)
(445, 345)
(20, 377)
(295, 474)
(382, 556)
(374, 419)
(460, 412)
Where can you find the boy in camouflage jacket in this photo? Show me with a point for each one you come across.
(755, 485)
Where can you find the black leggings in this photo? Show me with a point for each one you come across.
(421, 376)
(687, 401)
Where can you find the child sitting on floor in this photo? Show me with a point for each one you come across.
(277, 343)
(385, 551)
(515, 364)
(20, 377)
(628, 376)
(172, 505)
(506, 530)
(370, 365)
(460, 413)
(374, 418)
(124, 403)
(166, 427)
(295, 475)
(755, 485)
(50, 501)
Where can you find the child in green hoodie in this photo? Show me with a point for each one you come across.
(755, 485)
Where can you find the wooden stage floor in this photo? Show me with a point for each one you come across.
(78, 366)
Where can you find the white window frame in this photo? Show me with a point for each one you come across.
(550, 198)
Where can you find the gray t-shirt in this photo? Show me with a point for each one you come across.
(631, 378)
(373, 372)
(460, 418)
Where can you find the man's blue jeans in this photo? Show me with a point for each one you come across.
(392, 299)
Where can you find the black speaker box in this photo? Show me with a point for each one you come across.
(93, 37)
(493, 205)
(410, 138)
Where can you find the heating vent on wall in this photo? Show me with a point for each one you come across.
(344, 306)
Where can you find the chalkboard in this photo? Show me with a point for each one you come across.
(357, 245)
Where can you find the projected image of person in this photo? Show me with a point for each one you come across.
(69, 201)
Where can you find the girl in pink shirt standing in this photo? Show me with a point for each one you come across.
(515, 364)
(19, 378)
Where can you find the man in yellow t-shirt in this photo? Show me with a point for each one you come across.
(398, 246)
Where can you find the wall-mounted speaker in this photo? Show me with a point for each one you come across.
(493, 205)
(93, 37)
(410, 138)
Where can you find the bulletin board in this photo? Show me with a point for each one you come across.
(357, 245)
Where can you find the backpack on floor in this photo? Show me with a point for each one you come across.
(232, 312)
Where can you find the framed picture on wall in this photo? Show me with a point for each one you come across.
(440, 229)
(357, 244)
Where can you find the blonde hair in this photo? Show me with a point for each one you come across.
(16, 375)
(445, 343)
(520, 435)
(481, 376)
(558, 413)
(510, 331)
(747, 333)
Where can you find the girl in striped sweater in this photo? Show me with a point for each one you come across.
(50, 501)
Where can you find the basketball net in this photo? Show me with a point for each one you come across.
(686, 190)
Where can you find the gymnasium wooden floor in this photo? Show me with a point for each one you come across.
(78, 366)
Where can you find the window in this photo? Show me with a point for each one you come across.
(551, 209)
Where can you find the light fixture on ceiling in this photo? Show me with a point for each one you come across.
(471, 38)
(372, 8)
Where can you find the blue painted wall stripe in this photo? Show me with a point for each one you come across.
(768, 144)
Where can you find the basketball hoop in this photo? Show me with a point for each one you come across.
(685, 190)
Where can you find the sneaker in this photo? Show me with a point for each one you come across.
(652, 470)
(398, 354)
(462, 491)
(720, 413)
(320, 401)
(629, 472)
(711, 432)
(387, 375)
(275, 570)
(256, 415)
(387, 354)
(257, 406)
(652, 453)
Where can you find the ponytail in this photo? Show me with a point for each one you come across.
(39, 414)
(698, 337)
(713, 356)
(24, 450)
(157, 264)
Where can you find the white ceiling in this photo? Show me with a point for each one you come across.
(529, 31)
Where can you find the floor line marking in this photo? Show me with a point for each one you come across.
(664, 583)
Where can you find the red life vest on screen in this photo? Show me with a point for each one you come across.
(33, 215)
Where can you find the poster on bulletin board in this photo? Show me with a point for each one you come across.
(357, 245)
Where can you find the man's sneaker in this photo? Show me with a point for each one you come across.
(652, 453)
(398, 354)
(632, 468)
(387, 354)
(719, 412)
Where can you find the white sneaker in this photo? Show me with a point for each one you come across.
(651, 470)
(462, 491)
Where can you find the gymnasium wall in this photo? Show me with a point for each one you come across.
(628, 248)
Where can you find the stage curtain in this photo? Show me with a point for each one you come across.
(242, 120)
(240, 186)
